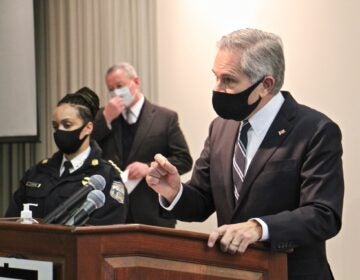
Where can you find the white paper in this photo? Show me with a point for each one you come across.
(130, 184)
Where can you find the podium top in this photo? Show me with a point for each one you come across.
(10, 224)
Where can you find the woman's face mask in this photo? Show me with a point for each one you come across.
(68, 142)
(235, 106)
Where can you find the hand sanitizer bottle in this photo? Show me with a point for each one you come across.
(26, 215)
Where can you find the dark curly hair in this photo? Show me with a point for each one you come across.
(85, 100)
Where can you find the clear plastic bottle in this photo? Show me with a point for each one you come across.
(26, 214)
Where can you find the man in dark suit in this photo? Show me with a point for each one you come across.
(130, 130)
(270, 168)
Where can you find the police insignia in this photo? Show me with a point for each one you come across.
(85, 181)
(32, 184)
(95, 162)
(117, 191)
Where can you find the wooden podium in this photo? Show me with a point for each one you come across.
(135, 252)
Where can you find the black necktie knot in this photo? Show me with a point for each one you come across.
(67, 166)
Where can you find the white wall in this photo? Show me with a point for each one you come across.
(321, 40)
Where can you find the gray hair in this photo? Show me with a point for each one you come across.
(261, 54)
(127, 67)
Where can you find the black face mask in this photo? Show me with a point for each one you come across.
(68, 142)
(235, 106)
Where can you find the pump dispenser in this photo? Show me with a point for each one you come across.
(26, 214)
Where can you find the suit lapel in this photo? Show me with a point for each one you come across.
(231, 137)
(144, 124)
(276, 134)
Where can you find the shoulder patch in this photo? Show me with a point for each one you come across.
(117, 191)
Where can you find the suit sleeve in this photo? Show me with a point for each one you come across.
(101, 130)
(196, 202)
(318, 216)
(179, 154)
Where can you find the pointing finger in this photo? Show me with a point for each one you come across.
(165, 164)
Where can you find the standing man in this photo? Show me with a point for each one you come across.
(270, 168)
(130, 130)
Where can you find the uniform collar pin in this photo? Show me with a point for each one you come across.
(95, 162)
(281, 132)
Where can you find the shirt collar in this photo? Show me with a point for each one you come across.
(77, 161)
(136, 108)
(262, 120)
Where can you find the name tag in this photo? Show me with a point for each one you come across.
(32, 184)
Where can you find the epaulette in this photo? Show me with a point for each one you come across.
(117, 168)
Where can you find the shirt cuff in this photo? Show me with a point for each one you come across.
(265, 230)
(164, 204)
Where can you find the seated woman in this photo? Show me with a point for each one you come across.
(50, 182)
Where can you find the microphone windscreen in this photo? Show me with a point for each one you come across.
(97, 182)
(94, 200)
(97, 197)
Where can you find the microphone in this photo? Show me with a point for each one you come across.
(96, 182)
(94, 200)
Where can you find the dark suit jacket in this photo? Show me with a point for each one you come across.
(158, 132)
(294, 183)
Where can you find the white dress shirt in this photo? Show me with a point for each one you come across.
(76, 162)
(260, 123)
(134, 111)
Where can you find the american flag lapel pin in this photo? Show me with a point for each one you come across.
(281, 132)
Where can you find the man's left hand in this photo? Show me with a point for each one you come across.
(137, 170)
(236, 237)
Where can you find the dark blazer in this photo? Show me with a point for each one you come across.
(158, 132)
(294, 183)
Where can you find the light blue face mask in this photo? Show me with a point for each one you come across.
(125, 94)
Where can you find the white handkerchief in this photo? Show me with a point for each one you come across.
(130, 184)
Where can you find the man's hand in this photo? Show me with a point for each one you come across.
(137, 170)
(113, 109)
(164, 178)
(236, 237)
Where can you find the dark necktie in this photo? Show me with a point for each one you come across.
(239, 159)
(67, 165)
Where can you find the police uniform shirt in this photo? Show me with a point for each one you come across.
(76, 162)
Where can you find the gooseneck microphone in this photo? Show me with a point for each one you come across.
(94, 200)
(96, 182)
